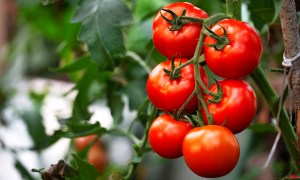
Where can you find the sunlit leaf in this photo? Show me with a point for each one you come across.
(77, 65)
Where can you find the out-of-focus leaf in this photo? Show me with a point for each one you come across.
(74, 128)
(77, 65)
(35, 126)
(82, 100)
(86, 171)
(23, 171)
(263, 12)
(115, 103)
(262, 128)
(136, 86)
(101, 22)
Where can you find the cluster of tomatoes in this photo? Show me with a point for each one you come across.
(232, 50)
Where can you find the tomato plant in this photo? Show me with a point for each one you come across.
(237, 107)
(240, 56)
(183, 42)
(166, 135)
(170, 94)
(210, 151)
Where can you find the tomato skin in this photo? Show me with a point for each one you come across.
(238, 58)
(97, 156)
(210, 151)
(166, 135)
(169, 95)
(181, 43)
(82, 142)
(237, 107)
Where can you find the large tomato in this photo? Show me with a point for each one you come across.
(238, 58)
(169, 95)
(166, 135)
(237, 107)
(183, 42)
(210, 151)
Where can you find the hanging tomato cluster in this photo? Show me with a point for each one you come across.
(196, 121)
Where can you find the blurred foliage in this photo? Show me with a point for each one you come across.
(105, 48)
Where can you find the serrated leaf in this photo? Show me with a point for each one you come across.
(75, 129)
(77, 65)
(262, 128)
(86, 171)
(101, 29)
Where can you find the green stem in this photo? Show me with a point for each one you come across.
(234, 8)
(272, 99)
(141, 146)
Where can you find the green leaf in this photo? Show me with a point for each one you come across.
(22, 170)
(75, 129)
(262, 128)
(264, 12)
(77, 65)
(101, 29)
(86, 171)
(115, 103)
(34, 123)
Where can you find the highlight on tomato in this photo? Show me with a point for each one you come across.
(182, 42)
(211, 151)
(169, 94)
(166, 136)
(237, 108)
(240, 56)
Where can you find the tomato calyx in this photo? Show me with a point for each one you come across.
(174, 73)
(178, 22)
(221, 41)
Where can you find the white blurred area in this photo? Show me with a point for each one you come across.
(57, 103)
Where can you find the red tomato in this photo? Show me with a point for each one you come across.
(210, 151)
(97, 156)
(237, 107)
(169, 95)
(166, 135)
(82, 142)
(238, 58)
(181, 43)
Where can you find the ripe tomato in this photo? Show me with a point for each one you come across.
(237, 107)
(97, 156)
(82, 142)
(238, 58)
(169, 95)
(210, 151)
(166, 135)
(183, 42)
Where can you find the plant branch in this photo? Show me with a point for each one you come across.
(290, 32)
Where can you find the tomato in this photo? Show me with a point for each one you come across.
(210, 151)
(166, 135)
(82, 142)
(238, 58)
(183, 42)
(237, 107)
(169, 95)
(97, 156)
